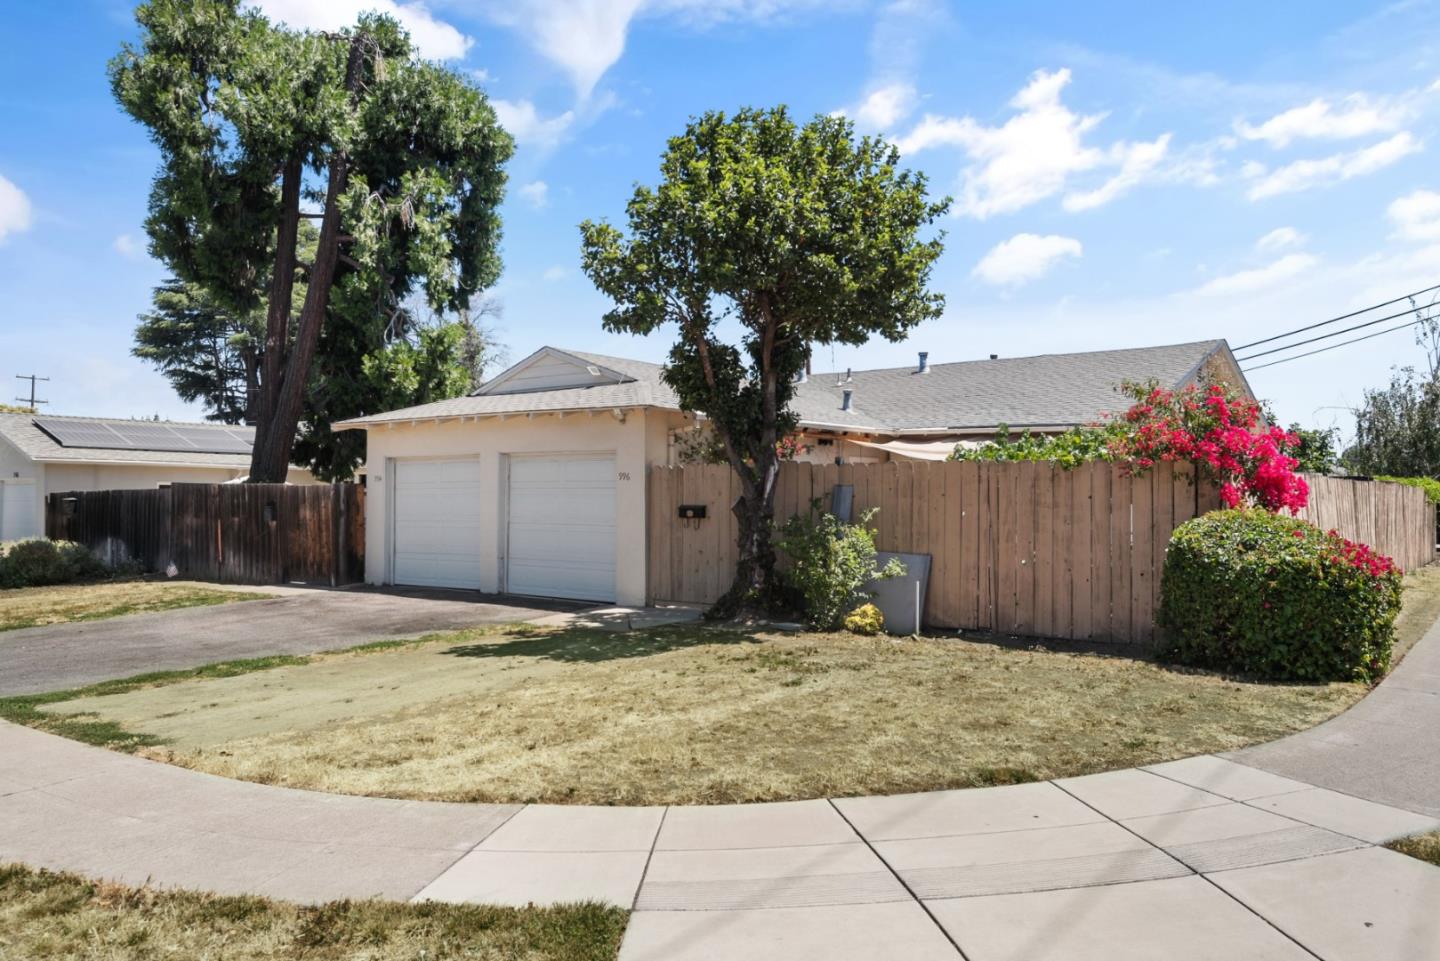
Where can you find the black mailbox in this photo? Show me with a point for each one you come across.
(692, 512)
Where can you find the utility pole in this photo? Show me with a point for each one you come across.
(33, 400)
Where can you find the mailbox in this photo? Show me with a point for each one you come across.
(692, 512)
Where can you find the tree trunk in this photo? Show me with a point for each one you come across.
(275, 433)
(261, 409)
(756, 586)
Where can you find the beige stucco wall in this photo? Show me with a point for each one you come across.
(637, 442)
(100, 477)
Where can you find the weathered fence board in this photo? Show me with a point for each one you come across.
(1020, 548)
(231, 533)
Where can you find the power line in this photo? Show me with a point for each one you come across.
(1321, 350)
(1333, 333)
(1336, 320)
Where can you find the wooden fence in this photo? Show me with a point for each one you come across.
(1017, 548)
(1392, 518)
(233, 533)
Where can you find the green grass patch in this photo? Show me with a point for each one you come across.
(90, 729)
(70, 603)
(1424, 847)
(62, 917)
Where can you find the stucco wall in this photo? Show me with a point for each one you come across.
(637, 442)
(27, 479)
(100, 477)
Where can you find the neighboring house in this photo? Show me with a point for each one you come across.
(43, 454)
(535, 483)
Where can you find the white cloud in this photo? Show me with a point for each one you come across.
(526, 125)
(1035, 153)
(14, 209)
(883, 107)
(537, 192)
(1137, 162)
(1355, 116)
(555, 273)
(1306, 174)
(435, 39)
(126, 246)
(586, 37)
(1281, 238)
(1259, 278)
(1023, 258)
(1416, 215)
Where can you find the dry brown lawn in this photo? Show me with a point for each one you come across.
(698, 715)
(60, 917)
(36, 606)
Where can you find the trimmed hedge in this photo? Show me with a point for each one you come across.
(39, 563)
(1256, 593)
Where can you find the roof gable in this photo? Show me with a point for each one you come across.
(551, 369)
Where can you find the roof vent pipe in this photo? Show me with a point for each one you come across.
(924, 367)
(845, 397)
(994, 356)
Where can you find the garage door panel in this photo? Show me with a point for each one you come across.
(19, 510)
(437, 523)
(585, 546)
(562, 527)
(570, 508)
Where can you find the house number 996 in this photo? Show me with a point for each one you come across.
(625, 475)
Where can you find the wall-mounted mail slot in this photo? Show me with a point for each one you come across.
(692, 512)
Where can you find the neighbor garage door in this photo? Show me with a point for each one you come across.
(437, 523)
(19, 510)
(562, 527)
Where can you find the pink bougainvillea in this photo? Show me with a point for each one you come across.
(1220, 433)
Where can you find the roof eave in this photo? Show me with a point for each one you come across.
(367, 423)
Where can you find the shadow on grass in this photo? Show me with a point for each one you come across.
(581, 645)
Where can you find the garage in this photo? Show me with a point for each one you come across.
(561, 526)
(437, 523)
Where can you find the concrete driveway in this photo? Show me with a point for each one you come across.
(62, 656)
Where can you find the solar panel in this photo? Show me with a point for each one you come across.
(147, 435)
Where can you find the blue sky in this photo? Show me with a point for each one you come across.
(1139, 174)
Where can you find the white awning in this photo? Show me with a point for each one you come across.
(918, 449)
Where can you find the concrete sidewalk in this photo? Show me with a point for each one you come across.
(1386, 748)
(1203, 858)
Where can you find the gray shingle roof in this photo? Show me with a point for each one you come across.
(20, 431)
(645, 389)
(1044, 391)
(1048, 390)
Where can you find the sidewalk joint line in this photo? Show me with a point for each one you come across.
(1271, 924)
(645, 871)
(1279, 814)
(903, 883)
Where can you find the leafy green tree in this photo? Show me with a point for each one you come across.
(208, 351)
(1397, 428)
(792, 235)
(214, 355)
(399, 160)
(1317, 452)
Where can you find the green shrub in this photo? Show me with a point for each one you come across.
(1275, 597)
(1429, 485)
(38, 563)
(831, 563)
(866, 619)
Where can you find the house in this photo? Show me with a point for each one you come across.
(535, 483)
(41, 454)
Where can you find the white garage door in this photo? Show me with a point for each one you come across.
(437, 523)
(19, 510)
(562, 527)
